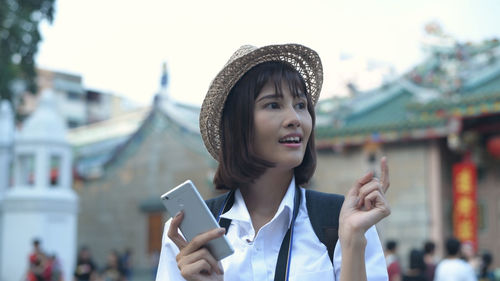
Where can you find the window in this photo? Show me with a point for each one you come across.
(74, 96)
(55, 168)
(26, 171)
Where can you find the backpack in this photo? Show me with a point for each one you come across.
(323, 210)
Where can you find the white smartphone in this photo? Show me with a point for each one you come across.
(197, 217)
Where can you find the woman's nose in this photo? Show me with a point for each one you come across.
(292, 118)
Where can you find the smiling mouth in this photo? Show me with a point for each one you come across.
(291, 140)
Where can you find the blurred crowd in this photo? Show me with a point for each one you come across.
(44, 267)
(461, 262)
(118, 267)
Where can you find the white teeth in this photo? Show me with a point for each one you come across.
(291, 139)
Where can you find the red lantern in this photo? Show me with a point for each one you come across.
(494, 146)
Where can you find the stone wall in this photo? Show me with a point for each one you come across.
(111, 217)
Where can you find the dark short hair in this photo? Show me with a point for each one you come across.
(452, 246)
(429, 247)
(391, 245)
(417, 260)
(238, 163)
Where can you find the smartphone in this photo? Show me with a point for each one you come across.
(197, 217)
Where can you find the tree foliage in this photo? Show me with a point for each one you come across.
(19, 38)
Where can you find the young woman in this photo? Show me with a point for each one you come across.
(257, 121)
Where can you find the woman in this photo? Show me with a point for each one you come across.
(257, 121)
(416, 271)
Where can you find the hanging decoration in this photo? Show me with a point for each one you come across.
(493, 146)
(465, 202)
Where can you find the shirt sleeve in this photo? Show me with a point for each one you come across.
(167, 265)
(376, 268)
(471, 275)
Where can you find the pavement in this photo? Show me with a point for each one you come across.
(142, 275)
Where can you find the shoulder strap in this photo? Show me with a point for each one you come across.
(324, 211)
(214, 204)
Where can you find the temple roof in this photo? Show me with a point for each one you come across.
(424, 103)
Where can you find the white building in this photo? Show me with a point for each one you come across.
(40, 203)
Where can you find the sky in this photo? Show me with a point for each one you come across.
(119, 46)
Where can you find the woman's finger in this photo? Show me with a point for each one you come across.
(199, 267)
(354, 191)
(204, 254)
(384, 179)
(364, 180)
(378, 201)
(173, 231)
(202, 239)
(368, 188)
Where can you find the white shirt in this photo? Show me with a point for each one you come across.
(454, 270)
(255, 256)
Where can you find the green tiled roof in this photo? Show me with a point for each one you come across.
(490, 87)
(484, 98)
(392, 126)
(390, 111)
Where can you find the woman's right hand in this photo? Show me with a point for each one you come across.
(195, 262)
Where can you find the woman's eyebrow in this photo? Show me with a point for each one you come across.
(270, 96)
(300, 96)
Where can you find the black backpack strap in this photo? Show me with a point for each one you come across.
(215, 205)
(324, 211)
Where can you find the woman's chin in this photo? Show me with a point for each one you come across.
(290, 163)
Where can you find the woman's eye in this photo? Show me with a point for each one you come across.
(272, 105)
(301, 105)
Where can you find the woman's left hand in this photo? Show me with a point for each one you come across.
(365, 204)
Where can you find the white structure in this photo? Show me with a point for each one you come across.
(6, 147)
(41, 203)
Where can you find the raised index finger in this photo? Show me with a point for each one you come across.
(384, 177)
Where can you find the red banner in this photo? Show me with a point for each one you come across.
(465, 202)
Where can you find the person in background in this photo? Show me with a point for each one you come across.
(37, 263)
(416, 271)
(485, 274)
(392, 261)
(113, 270)
(53, 270)
(452, 267)
(126, 263)
(470, 255)
(154, 259)
(85, 267)
(429, 259)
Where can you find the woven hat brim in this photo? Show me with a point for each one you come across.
(305, 60)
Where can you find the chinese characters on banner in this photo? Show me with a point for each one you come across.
(465, 202)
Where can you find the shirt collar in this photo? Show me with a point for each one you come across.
(239, 209)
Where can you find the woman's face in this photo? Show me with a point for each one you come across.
(282, 126)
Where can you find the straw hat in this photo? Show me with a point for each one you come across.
(303, 59)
